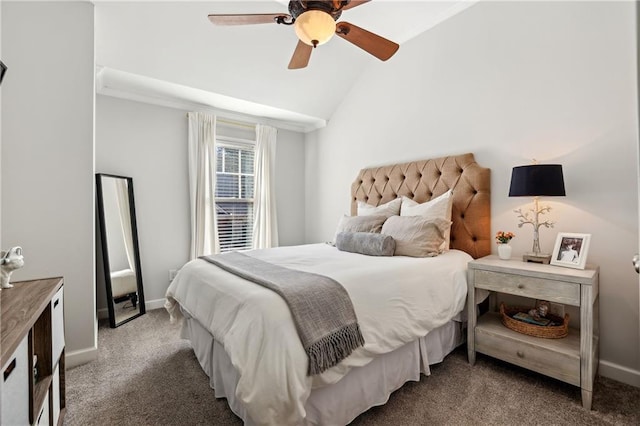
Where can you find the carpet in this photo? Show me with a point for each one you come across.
(146, 375)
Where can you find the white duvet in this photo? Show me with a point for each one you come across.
(396, 299)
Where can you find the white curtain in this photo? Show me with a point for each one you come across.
(265, 226)
(122, 198)
(202, 183)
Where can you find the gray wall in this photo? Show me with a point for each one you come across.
(149, 143)
(47, 154)
(510, 82)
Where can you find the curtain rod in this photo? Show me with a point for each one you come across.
(236, 123)
(232, 123)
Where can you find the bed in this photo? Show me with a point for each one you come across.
(124, 286)
(410, 310)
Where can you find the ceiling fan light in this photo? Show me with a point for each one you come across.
(315, 27)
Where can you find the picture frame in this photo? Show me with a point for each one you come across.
(571, 250)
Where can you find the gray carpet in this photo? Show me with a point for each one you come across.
(146, 375)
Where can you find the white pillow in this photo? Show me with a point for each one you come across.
(416, 236)
(439, 207)
(392, 208)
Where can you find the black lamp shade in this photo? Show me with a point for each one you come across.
(537, 180)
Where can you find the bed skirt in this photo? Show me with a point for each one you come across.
(341, 402)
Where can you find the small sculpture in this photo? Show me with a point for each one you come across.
(10, 261)
(540, 311)
(543, 308)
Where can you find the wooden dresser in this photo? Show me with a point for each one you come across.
(32, 326)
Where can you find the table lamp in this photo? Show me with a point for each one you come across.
(536, 180)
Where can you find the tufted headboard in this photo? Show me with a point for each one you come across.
(426, 179)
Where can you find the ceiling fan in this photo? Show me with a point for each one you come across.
(315, 23)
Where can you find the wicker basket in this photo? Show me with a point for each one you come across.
(546, 331)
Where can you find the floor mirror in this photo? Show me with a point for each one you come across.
(120, 253)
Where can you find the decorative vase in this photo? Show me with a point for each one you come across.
(504, 251)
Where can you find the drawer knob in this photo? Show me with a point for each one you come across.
(520, 286)
(520, 354)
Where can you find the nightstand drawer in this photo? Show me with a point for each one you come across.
(538, 288)
(546, 356)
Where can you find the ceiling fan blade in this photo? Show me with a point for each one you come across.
(247, 19)
(354, 3)
(301, 55)
(376, 45)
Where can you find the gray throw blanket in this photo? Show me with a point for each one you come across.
(321, 308)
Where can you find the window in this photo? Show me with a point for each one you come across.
(234, 194)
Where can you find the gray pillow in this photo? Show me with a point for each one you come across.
(366, 243)
(360, 224)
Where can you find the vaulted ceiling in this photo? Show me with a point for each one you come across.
(174, 43)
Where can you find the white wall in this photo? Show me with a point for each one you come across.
(290, 187)
(149, 143)
(47, 154)
(1, 130)
(511, 81)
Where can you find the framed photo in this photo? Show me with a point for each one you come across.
(571, 250)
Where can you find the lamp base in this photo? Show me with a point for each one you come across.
(537, 258)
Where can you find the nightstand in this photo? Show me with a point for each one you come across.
(572, 359)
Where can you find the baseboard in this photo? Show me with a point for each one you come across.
(154, 304)
(619, 373)
(79, 357)
(103, 313)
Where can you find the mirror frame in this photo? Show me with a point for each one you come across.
(105, 252)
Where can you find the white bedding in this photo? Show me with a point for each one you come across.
(123, 282)
(396, 299)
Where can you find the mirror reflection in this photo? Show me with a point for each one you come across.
(119, 244)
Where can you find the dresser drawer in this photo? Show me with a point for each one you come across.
(43, 415)
(533, 353)
(520, 285)
(14, 398)
(57, 326)
(55, 395)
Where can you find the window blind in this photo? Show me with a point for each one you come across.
(234, 195)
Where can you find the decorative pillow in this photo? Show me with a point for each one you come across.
(366, 243)
(416, 236)
(392, 208)
(360, 224)
(438, 207)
